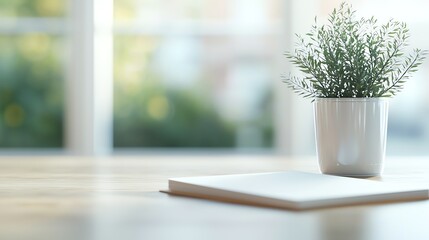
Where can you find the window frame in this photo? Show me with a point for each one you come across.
(89, 83)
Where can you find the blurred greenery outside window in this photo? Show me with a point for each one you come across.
(168, 91)
(185, 76)
(31, 74)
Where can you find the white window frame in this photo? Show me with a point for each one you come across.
(89, 84)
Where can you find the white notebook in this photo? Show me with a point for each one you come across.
(293, 190)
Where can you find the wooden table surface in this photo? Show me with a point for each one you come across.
(117, 198)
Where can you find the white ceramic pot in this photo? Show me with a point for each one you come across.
(351, 135)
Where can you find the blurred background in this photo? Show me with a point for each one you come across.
(188, 75)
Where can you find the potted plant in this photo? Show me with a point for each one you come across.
(351, 67)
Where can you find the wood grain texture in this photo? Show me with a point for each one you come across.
(117, 198)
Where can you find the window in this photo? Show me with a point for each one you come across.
(195, 73)
(187, 74)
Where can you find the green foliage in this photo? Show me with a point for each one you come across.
(353, 58)
(31, 92)
(152, 114)
(185, 121)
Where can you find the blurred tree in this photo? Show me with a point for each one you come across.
(161, 117)
(31, 96)
(150, 113)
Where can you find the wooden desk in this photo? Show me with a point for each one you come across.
(118, 198)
